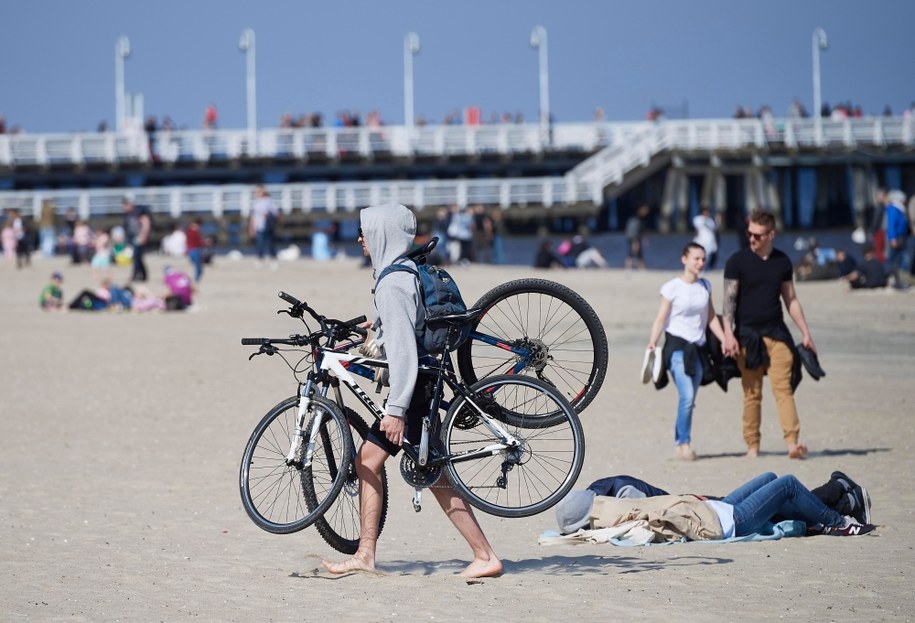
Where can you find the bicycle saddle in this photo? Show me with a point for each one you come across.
(460, 318)
(421, 254)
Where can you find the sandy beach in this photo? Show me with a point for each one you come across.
(122, 435)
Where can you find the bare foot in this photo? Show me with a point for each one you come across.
(356, 564)
(752, 453)
(797, 451)
(479, 568)
(685, 453)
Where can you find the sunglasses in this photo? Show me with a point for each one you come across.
(360, 234)
(757, 236)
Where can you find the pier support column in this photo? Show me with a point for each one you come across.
(671, 202)
(762, 193)
(714, 191)
(860, 197)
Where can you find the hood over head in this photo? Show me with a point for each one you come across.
(896, 198)
(388, 231)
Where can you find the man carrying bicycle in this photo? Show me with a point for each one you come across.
(386, 232)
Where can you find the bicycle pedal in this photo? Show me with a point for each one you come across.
(417, 500)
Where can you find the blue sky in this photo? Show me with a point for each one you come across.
(57, 67)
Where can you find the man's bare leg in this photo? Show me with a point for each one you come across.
(369, 462)
(485, 563)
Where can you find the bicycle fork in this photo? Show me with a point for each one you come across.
(300, 433)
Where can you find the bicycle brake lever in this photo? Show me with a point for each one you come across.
(266, 349)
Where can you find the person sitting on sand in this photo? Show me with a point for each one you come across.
(386, 232)
(52, 296)
(868, 274)
(742, 512)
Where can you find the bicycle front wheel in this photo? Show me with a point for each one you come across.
(560, 335)
(340, 526)
(517, 481)
(271, 482)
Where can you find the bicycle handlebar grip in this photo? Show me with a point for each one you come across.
(355, 321)
(253, 341)
(289, 298)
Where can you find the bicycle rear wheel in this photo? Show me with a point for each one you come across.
(521, 481)
(554, 323)
(271, 486)
(340, 525)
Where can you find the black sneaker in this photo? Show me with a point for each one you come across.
(861, 500)
(851, 527)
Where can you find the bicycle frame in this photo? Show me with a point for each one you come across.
(336, 363)
(523, 354)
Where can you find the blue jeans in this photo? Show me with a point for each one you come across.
(139, 266)
(897, 259)
(757, 501)
(687, 388)
(264, 240)
(48, 241)
(196, 257)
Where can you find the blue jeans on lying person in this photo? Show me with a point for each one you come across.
(686, 387)
(758, 500)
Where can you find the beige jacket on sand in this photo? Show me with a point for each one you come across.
(668, 516)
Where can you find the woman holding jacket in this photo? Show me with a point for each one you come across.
(685, 311)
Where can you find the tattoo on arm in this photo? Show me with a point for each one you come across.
(729, 309)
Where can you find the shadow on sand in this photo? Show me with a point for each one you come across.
(813, 454)
(548, 565)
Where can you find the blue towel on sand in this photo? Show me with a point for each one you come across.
(769, 532)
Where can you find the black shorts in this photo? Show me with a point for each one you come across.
(413, 420)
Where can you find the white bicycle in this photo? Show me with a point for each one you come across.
(511, 445)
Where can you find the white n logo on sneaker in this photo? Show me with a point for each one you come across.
(854, 530)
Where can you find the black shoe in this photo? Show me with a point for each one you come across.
(861, 500)
(850, 527)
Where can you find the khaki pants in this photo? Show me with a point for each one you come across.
(781, 362)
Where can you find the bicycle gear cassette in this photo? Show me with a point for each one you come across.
(419, 478)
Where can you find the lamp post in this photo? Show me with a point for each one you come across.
(246, 45)
(538, 40)
(819, 43)
(410, 49)
(121, 52)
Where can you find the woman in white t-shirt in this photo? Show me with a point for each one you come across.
(686, 310)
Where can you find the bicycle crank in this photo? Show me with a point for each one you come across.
(419, 478)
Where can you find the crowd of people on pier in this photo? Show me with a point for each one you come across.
(470, 115)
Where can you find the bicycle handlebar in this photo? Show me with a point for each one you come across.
(330, 327)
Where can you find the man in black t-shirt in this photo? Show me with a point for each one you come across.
(756, 281)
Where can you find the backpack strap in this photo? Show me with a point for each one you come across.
(395, 267)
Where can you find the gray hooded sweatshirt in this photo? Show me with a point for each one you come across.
(388, 231)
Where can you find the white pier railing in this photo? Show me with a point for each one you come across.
(626, 147)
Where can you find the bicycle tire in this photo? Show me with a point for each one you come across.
(271, 490)
(340, 525)
(547, 316)
(539, 473)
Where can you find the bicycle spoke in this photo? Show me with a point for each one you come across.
(528, 478)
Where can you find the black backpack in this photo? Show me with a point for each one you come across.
(441, 296)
